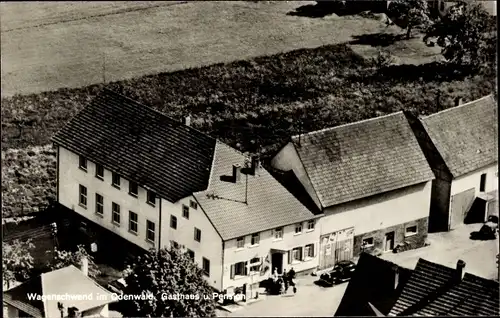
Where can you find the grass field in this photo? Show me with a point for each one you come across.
(46, 46)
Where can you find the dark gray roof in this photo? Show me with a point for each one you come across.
(362, 159)
(141, 145)
(466, 136)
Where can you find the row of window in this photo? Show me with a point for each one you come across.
(409, 231)
(133, 224)
(173, 225)
(133, 188)
(278, 234)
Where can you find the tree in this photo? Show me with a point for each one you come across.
(167, 277)
(411, 14)
(66, 258)
(467, 36)
(17, 261)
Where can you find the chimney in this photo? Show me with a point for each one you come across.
(236, 173)
(187, 120)
(458, 101)
(395, 269)
(460, 269)
(84, 265)
(255, 164)
(60, 306)
(73, 312)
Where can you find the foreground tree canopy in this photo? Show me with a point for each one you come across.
(17, 261)
(168, 276)
(411, 14)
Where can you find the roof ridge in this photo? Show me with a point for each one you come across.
(348, 124)
(459, 106)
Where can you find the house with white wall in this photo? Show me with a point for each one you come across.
(152, 181)
(371, 181)
(461, 146)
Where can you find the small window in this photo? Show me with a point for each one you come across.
(255, 239)
(297, 254)
(239, 269)
(83, 196)
(206, 267)
(278, 233)
(173, 222)
(116, 213)
(150, 228)
(185, 211)
(133, 188)
(240, 242)
(99, 171)
(132, 223)
(298, 228)
(411, 230)
(311, 224)
(193, 205)
(151, 197)
(190, 253)
(116, 180)
(99, 204)
(255, 264)
(82, 162)
(367, 242)
(309, 250)
(482, 184)
(197, 235)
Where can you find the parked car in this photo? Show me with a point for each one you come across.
(487, 232)
(342, 272)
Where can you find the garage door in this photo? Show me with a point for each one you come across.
(460, 204)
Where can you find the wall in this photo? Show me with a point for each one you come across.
(290, 240)
(12, 312)
(71, 176)
(440, 205)
(380, 211)
(210, 246)
(472, 180)
(101, 311)
(288, 159)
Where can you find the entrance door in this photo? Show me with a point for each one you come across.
(460, 204)
(277, 262)
(327, 251)
(389, 241)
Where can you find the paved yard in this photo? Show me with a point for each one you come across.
(310, 301)
(447, 248)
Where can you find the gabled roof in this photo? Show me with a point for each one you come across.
(372, 285)
(68, 280)
(268, 204)
(466, 136)
(362, 159)
(141, 145)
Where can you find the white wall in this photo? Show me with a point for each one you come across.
(210, 246)
(71, 176)
(101, 311)
(472, 180)
(380, 211)
(290, 240)
(288, 159)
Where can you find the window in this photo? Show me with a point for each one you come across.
(278, 233)
(83, 196)
(298, 228)
(82, 163)
(309, 250)
(132, 222)
(133, 188)
(239, 269)
(150, 231)
(311, 224)
(99, 204)
(151, 198)
(482, 184)
(197, 235)
(411, 230)
(173, 222)
(193, 205)
(367, 242)
(240, 242)
(255, 264)
(185, 211)
(116, 180)
(206, 267)
(297, 254)
(190, 254)
(255, 239)
(116, 213)
(99, 171)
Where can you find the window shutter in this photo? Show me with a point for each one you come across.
(290, 257)
(246, 268)
(302, 256)
(232, 272)
(314, 250)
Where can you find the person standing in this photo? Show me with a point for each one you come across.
(285, 280)
(291, 275)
